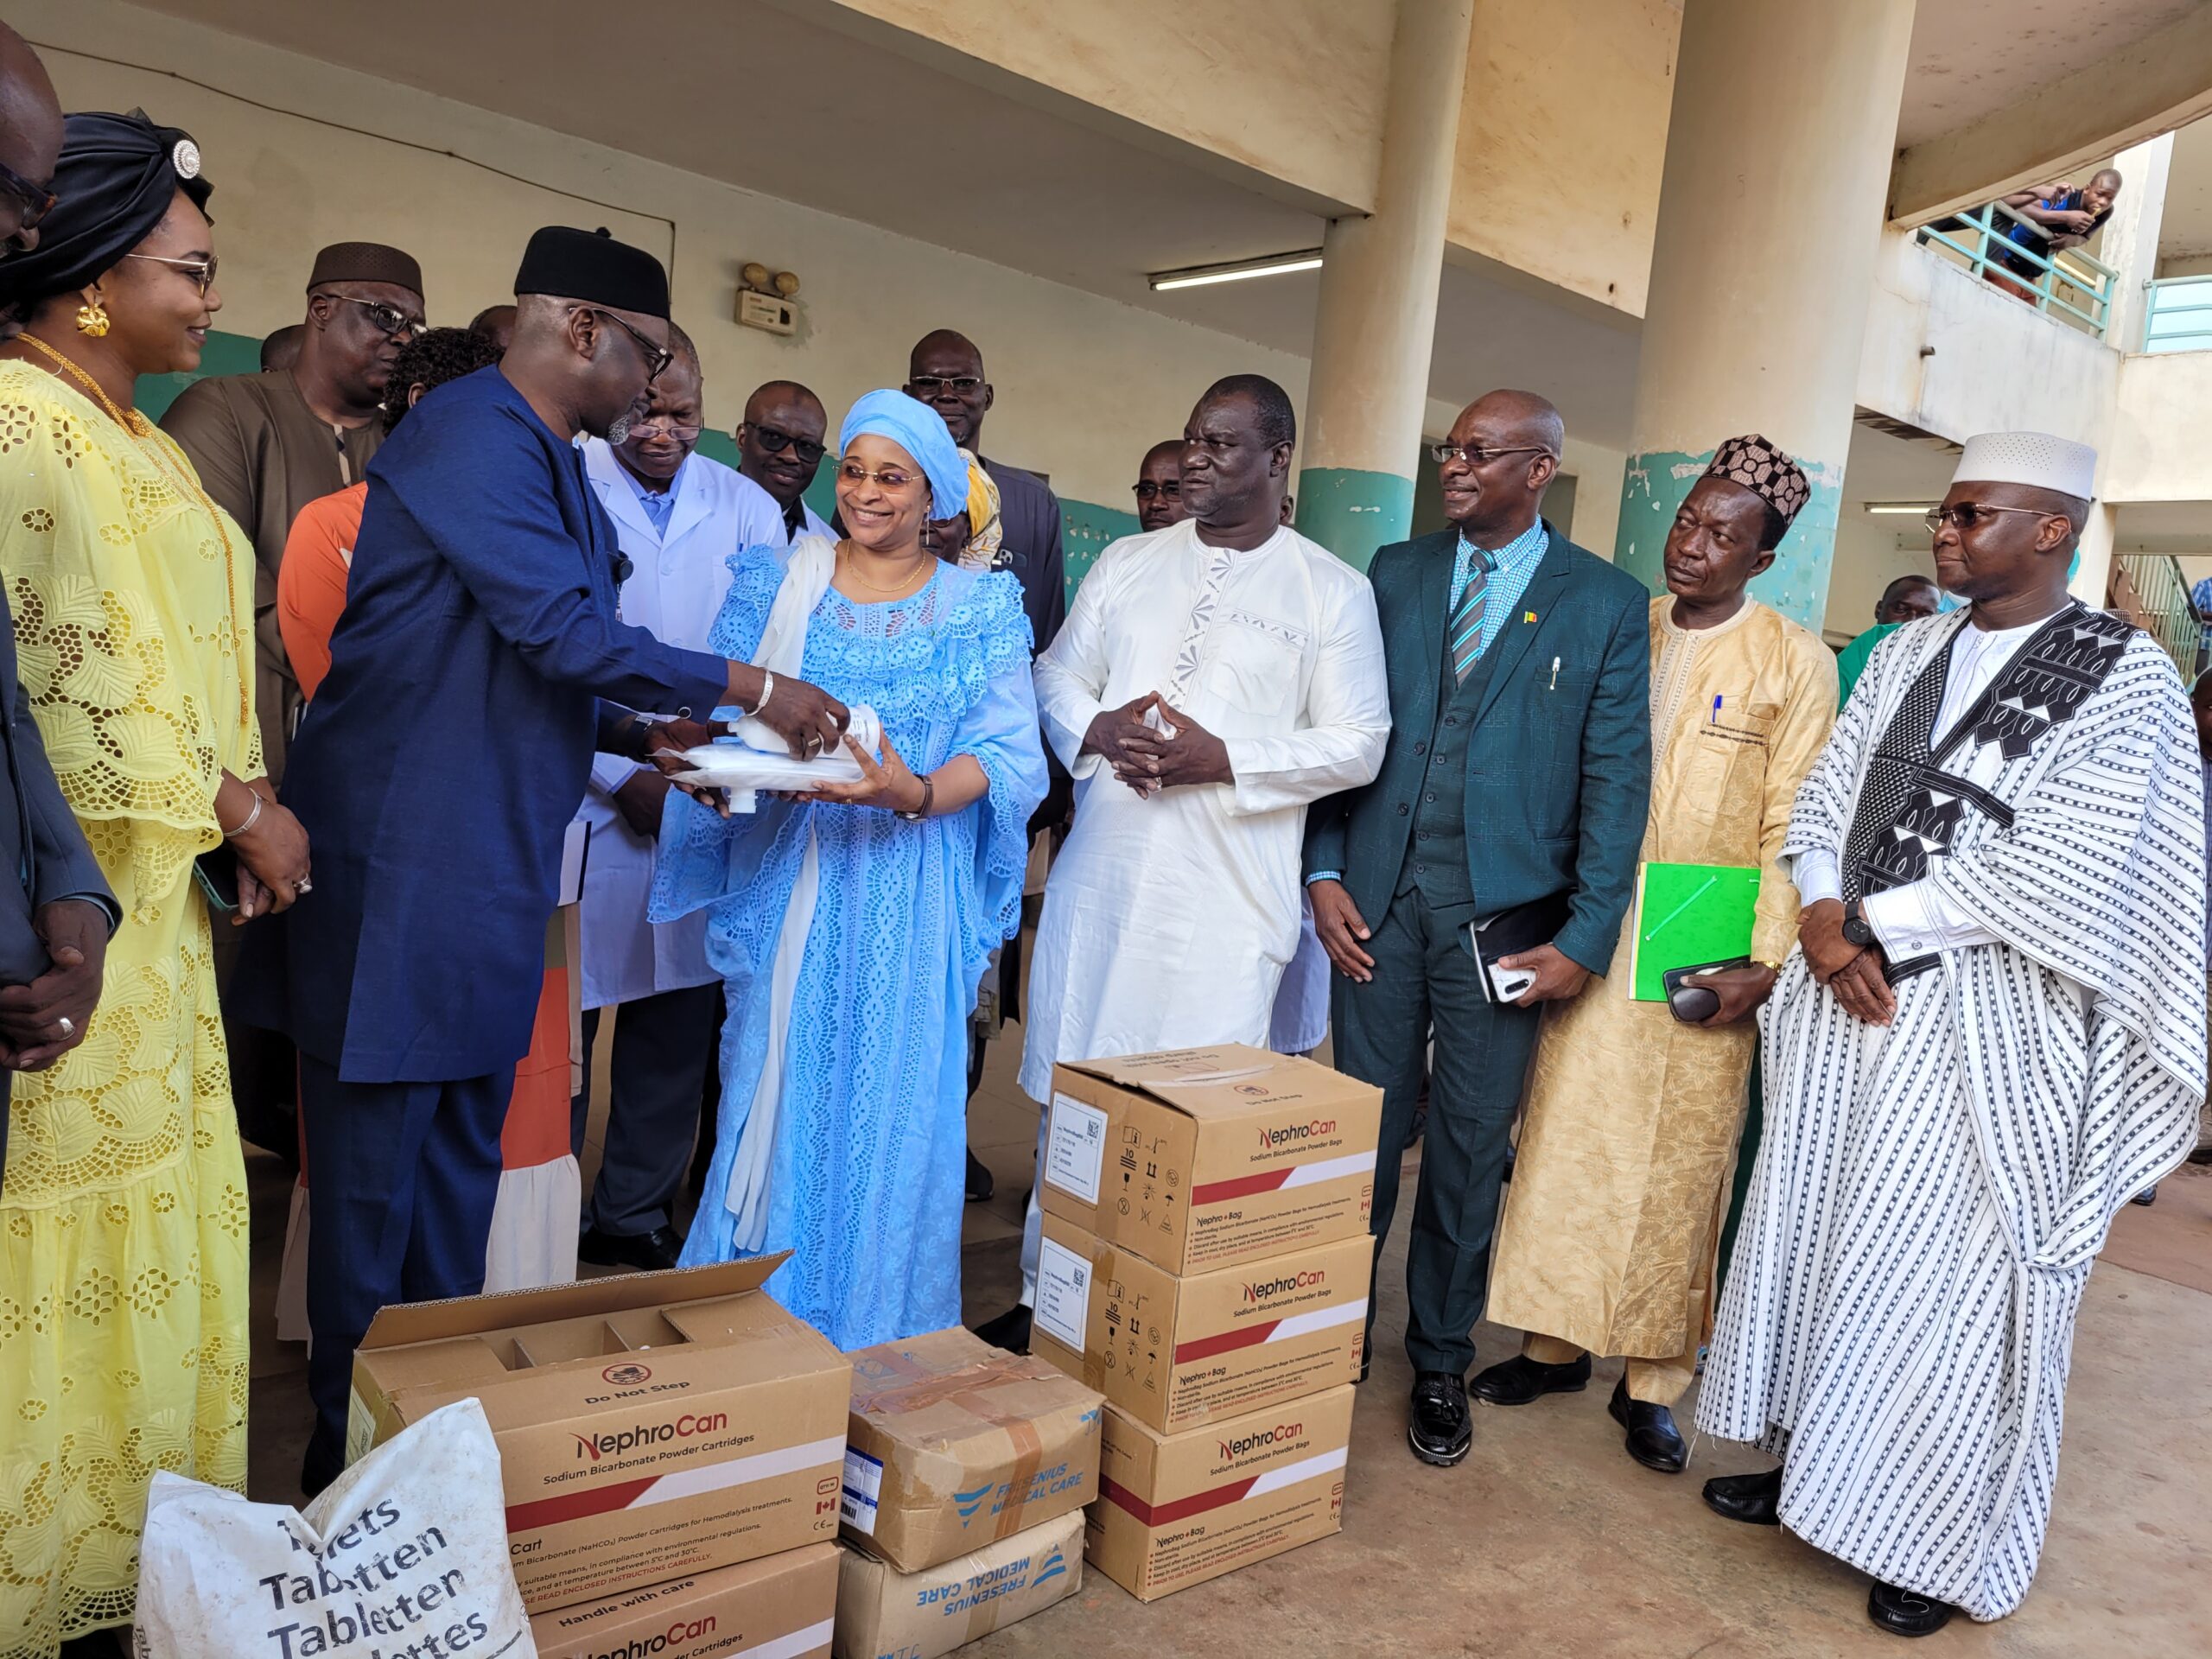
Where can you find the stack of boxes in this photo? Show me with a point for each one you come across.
(1206, 1266)
(671, 1446)
(966, 1472)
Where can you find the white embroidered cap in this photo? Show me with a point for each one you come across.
(2032, 458)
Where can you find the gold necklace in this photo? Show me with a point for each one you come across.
(852, 569)
(139, 430)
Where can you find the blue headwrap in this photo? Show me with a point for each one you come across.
(921, 432)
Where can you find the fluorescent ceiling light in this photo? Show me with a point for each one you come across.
(1916, 508)
(1275, 264)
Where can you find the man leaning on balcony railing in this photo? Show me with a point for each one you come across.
(2051, 218)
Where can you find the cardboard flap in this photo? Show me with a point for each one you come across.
(1227, 1082)
(464, 1316)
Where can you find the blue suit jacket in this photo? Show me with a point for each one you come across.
(1559, 766)
(443, 758)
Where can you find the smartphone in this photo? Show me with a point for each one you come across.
(1692, 1004)
(217, 875)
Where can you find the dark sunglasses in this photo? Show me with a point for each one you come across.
(809, 452)
(36, 201)
(1148, 491)
(657, 357)
(926, 386)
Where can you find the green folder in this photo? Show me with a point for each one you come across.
(1685, 916)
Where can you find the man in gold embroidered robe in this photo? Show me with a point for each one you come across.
(1628, 1134)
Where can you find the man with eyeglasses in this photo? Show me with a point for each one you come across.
(946, 370)
(1159, 485)
(1505, 821)
(266, 444)
(677, 515)
(480, 661)
(1991, 1038)
(779, 447)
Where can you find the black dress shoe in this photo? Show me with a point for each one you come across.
(648, 1252)
(980, 1185)
(1009, 1331)
(1906, 1613)
(1521, 1380)
(1653, 1440)
(1756, 1500)
(1440, 1430)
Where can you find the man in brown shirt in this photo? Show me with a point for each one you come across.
(267, 444)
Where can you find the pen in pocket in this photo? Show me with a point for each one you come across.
(1715, 720)
(1554, 685)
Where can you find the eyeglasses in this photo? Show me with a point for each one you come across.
(927, 386)
(1476, 456)
(658, 357)
(776, 442)
(891, 478)
(202, 271)
(387, 319)
(662, 429)
(36, 201)
(1967, 514)
(1148, 491)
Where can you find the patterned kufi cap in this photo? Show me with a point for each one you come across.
(1761, 467)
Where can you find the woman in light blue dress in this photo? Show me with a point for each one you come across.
(850, 925)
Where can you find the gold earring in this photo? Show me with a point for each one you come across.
(91, 318)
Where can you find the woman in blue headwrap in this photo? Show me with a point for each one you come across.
(850, 923)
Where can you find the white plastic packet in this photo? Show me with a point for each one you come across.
(742, 766)
(405, 1554)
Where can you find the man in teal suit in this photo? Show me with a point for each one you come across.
(1510, 807)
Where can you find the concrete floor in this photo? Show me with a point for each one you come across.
(1547, 1541)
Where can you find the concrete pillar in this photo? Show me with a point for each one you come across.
(2092, 572)
(1770, 212)
(1376, 321)
(2129, 242)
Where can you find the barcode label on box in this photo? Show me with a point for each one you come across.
(863, 1485)
(1063, 1293)
(1076, 1150)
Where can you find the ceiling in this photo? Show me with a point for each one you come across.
(1971, 58)
(958, 154)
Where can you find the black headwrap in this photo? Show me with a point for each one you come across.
(117, 177)
(592, 266)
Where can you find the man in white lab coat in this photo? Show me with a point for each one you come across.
(1212, 679)
(679, 516)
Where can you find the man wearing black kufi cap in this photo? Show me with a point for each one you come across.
(437, 771)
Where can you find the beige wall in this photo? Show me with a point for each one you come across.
(1086, 384)
(2158, 452)
(1870, 553)
(1562, 137)
(1291, 88)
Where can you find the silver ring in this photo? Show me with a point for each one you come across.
(69, 1025)
(303, 885)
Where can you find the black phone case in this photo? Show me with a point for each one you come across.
(1691, 1003)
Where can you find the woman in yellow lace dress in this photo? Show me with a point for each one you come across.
(123, 1212)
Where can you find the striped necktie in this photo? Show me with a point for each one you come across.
(1466, 632)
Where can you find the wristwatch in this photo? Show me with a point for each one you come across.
(1857, 929)
(929, 794)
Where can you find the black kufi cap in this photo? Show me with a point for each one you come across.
(592, 266)
(117, 177)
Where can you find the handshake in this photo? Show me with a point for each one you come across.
(1151, 747)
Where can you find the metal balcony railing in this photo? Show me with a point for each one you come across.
(2179, 317)
(2150, 591)
(2070, 285)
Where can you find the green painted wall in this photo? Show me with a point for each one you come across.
(1796, 583)
(1352, 513)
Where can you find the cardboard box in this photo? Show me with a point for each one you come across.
(1176, 1509)
(952, 1442)
(883, 1614)
(1202, 1158)
(1175, 1353)
(651, 1427)
(784, 1604)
